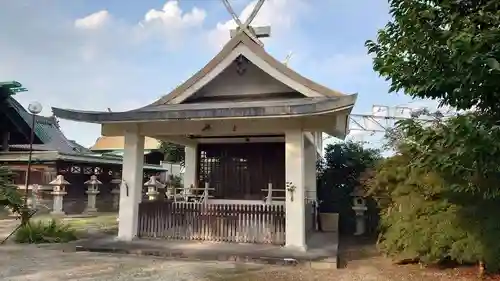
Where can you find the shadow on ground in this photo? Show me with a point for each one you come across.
(355, 248)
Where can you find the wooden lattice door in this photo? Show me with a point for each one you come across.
(241, 171)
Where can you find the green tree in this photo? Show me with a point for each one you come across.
(438, 192)
(418, 221)
(174, 153)
(465, 153)
(340, 173)
(447, 50)
(9, 195)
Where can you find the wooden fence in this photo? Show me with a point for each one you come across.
(239, 223)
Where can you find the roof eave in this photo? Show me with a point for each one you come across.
(49, 156)
(322, 106)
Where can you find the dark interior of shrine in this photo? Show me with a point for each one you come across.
(241, 170)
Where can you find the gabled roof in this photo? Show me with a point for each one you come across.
(242, 39)
(317, 98)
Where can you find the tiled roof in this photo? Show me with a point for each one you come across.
(43, 156)
(48, 131)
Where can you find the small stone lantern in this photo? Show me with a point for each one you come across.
(59, 190)
(153, 184)
(116, 192)
(92, 191)
(359, 207)
(34, 199)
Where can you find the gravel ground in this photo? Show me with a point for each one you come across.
(31, 263)
(28, 262)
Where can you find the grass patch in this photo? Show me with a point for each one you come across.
(38, 232)
(101, 222)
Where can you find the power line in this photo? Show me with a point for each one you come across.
(384, 117)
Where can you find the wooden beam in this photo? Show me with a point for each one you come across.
(177, 140)
(259, 31)
(227, 127)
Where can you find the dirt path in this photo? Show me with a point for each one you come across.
(360, 262)
(32, 263)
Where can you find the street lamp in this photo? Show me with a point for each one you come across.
(34, 108)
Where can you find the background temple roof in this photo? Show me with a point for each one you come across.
(117, 143)
(47, 131)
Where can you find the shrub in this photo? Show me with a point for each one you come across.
(45, 232)
(9, 195)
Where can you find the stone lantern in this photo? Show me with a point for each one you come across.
(116, 192)
(92, 191)
(59, 190)
(359, 207)
(36, 196)
(153, 184)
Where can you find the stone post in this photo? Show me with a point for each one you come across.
(92, 191)
(36, 195)
(269, 198)
(205, 193)
(153, 184)
(170, 188)
(116, 193)
(359, 207)
(59, 190)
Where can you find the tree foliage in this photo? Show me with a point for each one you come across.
(9, 195)
(438, 193)
(174, 153)
(339, 174)
(447, 50)
(442, 188)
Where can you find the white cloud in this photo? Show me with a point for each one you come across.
(170, 23)
(171, 16)
(90, 63)
(93, 21)
(101, 60)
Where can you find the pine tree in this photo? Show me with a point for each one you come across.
(9, 195)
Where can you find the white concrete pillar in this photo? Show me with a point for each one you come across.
(131, 188)
(190, 166)
(295, 235)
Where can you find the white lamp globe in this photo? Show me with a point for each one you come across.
(35, 107)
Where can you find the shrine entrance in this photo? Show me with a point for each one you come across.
(242, 171)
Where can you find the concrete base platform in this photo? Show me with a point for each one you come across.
(321, 253)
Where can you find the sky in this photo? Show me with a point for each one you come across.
(96, 54)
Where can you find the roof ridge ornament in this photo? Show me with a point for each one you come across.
(244, 27)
